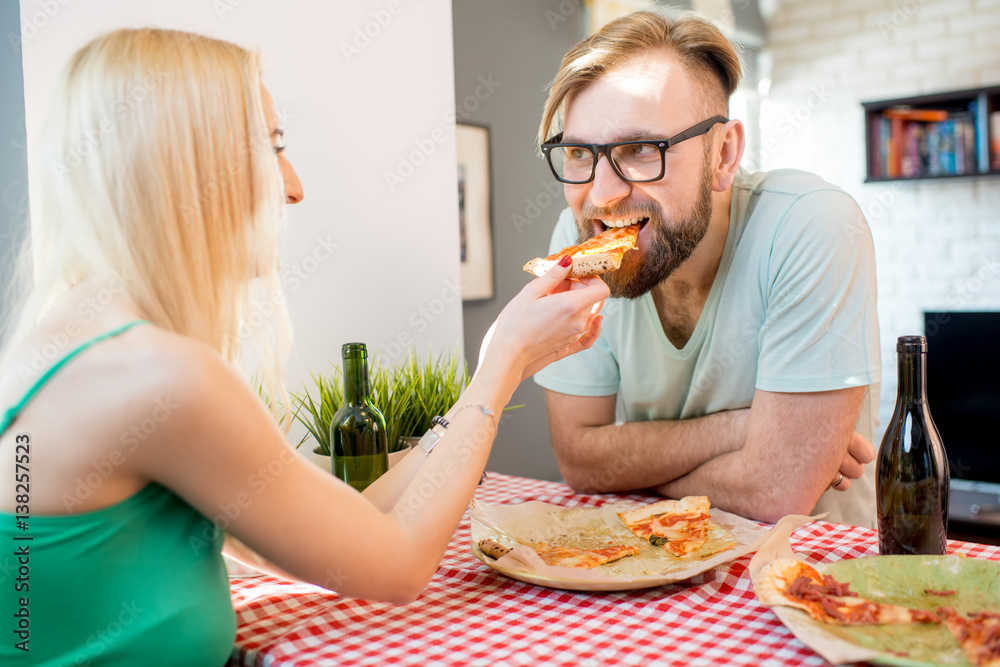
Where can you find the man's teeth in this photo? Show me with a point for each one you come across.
(622, 223)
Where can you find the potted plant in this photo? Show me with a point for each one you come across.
(392, 397)
(319, 411)
(408, 395)
(435, 386)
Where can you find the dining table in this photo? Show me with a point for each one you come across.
(471, 615)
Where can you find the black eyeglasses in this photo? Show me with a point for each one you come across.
(633, 161)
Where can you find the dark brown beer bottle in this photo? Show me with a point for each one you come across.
(911, 471)
(357, 430)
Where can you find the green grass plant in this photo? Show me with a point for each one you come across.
(408, 395)
(315, 410)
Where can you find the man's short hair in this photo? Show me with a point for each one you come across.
(698, 44)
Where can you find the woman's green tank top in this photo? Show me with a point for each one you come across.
(141, 582)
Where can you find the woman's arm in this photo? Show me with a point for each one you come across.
(221, 451)
(385, 492)
(240, 552)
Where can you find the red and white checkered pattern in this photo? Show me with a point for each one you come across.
(470, 615)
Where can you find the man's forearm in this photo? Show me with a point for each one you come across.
(637, 455)
(750, 486)
(795, 444)
(735, 483)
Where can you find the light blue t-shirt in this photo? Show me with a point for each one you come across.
(792, 309)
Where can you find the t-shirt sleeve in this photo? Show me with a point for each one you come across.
(820, 330)
(592, 372)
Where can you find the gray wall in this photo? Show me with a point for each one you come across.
(13, 158)
(519, 43)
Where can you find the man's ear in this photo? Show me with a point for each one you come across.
(728, 155)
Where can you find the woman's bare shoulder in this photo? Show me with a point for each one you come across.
(122, 405)
(143, 373)
(156, 364)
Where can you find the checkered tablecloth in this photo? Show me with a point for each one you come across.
(470, 615)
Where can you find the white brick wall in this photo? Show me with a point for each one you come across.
(937, 243)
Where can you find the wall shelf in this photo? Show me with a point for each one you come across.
(933, 137)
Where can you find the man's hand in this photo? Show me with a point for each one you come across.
(794, 447)
(859, 452)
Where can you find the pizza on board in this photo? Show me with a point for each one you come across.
(601, 254)
(678, 526)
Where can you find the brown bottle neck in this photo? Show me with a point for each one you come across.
(912, 371)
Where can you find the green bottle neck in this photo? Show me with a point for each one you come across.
(912, 376)
(356, 389)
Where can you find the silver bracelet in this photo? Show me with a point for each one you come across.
(431, 437)
(429, 440)
(485, 410)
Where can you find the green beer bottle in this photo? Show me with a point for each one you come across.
(357, 431)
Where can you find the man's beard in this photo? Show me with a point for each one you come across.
(667, 247)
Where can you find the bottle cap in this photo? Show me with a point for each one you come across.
(352, 349)
(911, 345)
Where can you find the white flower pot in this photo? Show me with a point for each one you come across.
(323, 462)
(396, 457)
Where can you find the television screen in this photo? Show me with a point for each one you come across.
(963, 390)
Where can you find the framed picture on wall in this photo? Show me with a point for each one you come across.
(475, 227)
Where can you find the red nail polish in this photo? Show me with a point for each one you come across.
(565, 261)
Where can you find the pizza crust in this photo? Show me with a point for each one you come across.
(493, 549)
(584, 266)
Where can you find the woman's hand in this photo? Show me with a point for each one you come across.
(551, 318)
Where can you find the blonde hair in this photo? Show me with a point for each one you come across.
(699, 45)
(156, 169)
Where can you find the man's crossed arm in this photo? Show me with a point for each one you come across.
(775, 458)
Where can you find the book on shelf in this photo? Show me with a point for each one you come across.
(917, 142)
(994, 149)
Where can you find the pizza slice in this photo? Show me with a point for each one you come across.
(978, 635)
(585, 558)
(792, 583)
(565, 556)
(679, 526)
(594, 256)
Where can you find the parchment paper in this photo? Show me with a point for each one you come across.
(777, 546)
(900, 580)
(593, 528)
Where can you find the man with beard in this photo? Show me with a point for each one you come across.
(739, 358)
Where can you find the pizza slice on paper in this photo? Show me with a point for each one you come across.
(790, 582)
(585, 558)
(601, 254)
(678, 526)
(566, 556)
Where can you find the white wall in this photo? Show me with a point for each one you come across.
(356, 106)
(937, 243)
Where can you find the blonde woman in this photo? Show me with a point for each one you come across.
(127, 427)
